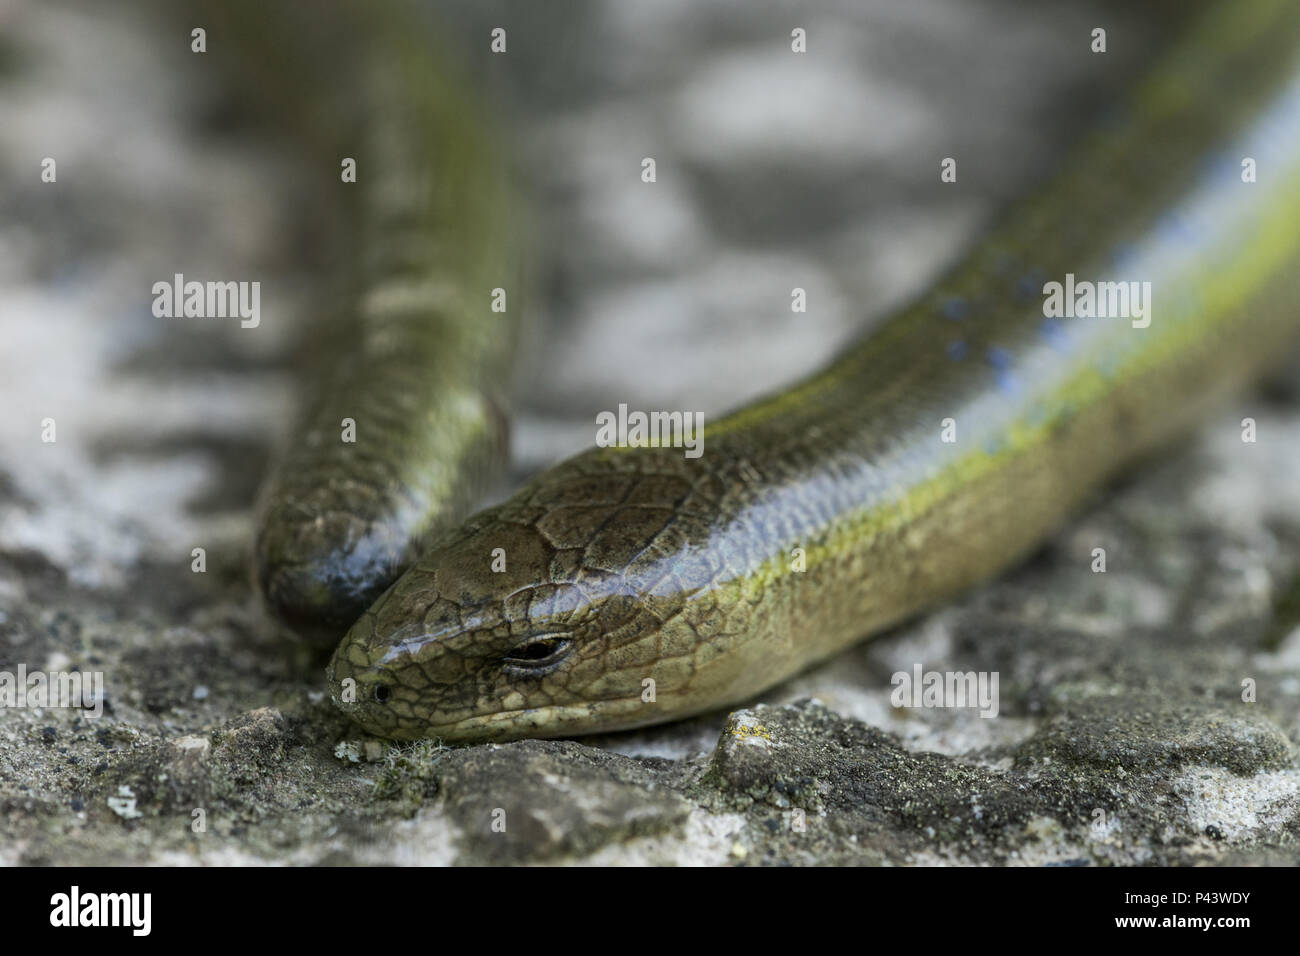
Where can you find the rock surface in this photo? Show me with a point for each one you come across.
(1149, 714)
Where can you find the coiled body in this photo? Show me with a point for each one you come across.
(640, 585)
(409, 428)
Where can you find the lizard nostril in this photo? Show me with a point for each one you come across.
(382, 693)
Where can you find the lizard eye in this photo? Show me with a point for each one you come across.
(539, 651)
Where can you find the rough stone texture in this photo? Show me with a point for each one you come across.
(1122, 734)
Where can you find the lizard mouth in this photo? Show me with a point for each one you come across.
(394, 720)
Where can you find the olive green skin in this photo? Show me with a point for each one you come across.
(654, 586)
(423, 389)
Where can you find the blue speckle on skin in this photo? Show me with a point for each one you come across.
(1220, 165)
(1055, 334)
(1030, 284)
(1006, 379)
(1173, 227)
(954, 307)
(998, 357)
(957, 350)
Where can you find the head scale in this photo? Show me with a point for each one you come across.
(526, 622)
